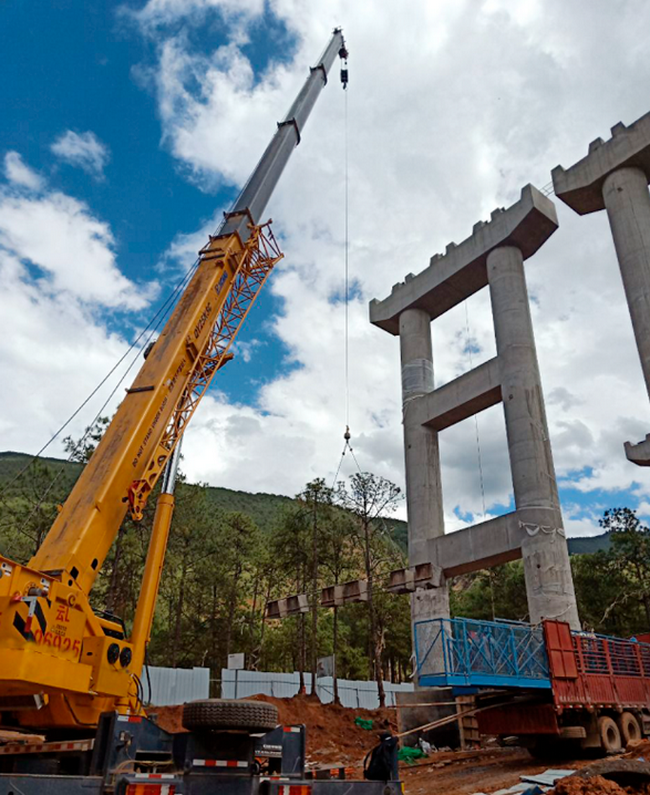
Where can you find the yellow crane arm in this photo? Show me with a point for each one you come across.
(152, 417)
(61, 663)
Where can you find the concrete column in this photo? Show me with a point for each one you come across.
(549, 584)
(627, 201)
(421, 451)
(422, 458)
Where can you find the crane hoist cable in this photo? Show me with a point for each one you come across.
(478, 438)
(149, 330)
(343, 53)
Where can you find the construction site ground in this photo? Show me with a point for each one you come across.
(333, 738)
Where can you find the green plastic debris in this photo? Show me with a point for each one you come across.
(409, 755)
(362, 723)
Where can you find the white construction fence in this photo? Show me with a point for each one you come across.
(175, 685)
(353, 694)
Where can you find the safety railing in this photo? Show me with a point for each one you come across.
(602, 654)
(464, 652)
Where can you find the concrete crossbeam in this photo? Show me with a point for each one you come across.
(581, 186)
(639, 453)
(478, 547)
(461, 398)
(493, 542)
(461, 271)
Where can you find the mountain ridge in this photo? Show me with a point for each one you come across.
(261, 506)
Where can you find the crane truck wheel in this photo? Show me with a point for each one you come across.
(221, 714)
(629, 727)
(610, 736)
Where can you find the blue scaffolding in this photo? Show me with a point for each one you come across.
(460, 652)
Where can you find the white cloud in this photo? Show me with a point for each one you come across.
(453, 107)
(21, 174)
(451, 113)
(74, 250)
(59, 277)
(83, 150)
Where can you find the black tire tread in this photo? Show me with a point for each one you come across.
(216, 713)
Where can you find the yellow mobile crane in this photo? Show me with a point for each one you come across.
(61, 664)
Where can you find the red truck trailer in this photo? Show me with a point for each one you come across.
(546, 685)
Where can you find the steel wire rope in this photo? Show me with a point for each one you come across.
(157, 319)
(162, 308)
(346, 291)
(478, 438)
(346, 263)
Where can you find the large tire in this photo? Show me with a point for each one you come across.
(610, 736)
(629, 727)
(545, 748)
(220, 714)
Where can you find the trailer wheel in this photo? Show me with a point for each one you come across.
(610, 736)
(216, 713)
(629, 727)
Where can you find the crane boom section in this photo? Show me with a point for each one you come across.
(61, 663)
(151, 419)
(131, 455)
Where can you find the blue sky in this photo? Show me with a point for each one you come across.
(128, 128)
(84, 67)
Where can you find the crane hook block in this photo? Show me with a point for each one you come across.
(344, 77)
(346, 435)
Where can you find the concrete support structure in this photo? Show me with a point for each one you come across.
(422, 458)
(549, 585)
(493, 256)
(614, 176)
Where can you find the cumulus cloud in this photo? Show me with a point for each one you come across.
(476, 100)
(59, 278)
(451, 112)
(83, 150)
(21, 174)
(73, 250)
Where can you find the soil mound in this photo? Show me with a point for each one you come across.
(332, 736)
(595, 786)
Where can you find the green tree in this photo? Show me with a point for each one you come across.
(630, 550)
(315, 505)
(340, 560)
(370, 498)
(80, 450)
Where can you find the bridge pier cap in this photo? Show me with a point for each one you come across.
(614, 176)
(462, 270)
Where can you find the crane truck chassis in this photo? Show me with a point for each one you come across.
(132, 755)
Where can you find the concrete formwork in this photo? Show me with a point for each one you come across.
(493, 256)
(614, 176)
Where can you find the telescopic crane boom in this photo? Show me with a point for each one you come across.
(61, 664)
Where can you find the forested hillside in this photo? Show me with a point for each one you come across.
(230, 552)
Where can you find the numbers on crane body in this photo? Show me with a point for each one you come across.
(57, 641)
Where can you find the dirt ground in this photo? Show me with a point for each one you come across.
(332, 735)
(595, 786)
(333, 738)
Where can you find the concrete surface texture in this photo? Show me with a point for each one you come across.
(549, 584)
(493, 256)
(614, 176)
(461, 271)
(422, 458)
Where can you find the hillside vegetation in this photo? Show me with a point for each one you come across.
(230, 552)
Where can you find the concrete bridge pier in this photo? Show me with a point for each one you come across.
(422, 459)
(492, 256)
(614, 176)
(549, 585)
